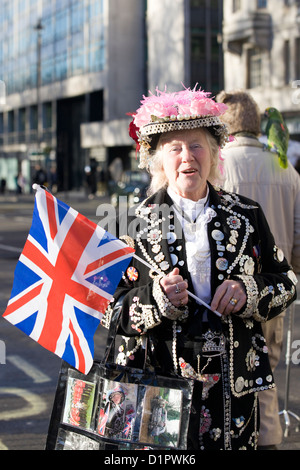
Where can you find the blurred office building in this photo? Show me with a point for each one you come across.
(73, 69)
(261, 41)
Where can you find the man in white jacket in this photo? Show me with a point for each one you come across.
(253, 171)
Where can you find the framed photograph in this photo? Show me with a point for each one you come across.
(68, 440)
(161, 416)
(117, 410)
(79, 402)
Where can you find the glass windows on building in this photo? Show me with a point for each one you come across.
(254, 68)
(206, 48)
(47, 115)
(21, 125)
(11, 127)
(1, 128)
(71, 41)
(33, 117)
(286, 58)
(236, 5)
(11, 121)
(262, 3)
(297, 58)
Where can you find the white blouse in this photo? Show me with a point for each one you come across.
(194, 217)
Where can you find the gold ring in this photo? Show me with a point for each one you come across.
(233, 301)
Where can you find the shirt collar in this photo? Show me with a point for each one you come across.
(187, 206)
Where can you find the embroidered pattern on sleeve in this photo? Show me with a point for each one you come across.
(143, 316)
(166, 308)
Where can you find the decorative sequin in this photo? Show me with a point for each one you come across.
(231, 248)
(205, 420)
(222, 264)
(249, 267)
(239, 384)
(171, 237)
(239, 422)
(278, 255)
(154, 236)
(234, 222)
(174, 259)
(251, 360)
(160, 257)
(164, 265)
(217, 235)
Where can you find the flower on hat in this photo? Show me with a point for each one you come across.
(171, 105)
(164, 112)
(133, 130)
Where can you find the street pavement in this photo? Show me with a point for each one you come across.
(27, 386)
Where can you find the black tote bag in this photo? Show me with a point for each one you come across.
(116, 407)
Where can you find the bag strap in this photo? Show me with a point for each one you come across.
(112, 333)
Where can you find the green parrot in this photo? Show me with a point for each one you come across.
(278, 135)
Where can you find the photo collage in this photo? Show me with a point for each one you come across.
(129, 415)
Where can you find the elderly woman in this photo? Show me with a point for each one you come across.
(214, 273)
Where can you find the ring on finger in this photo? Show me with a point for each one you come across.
(233, 301)
(177, 290)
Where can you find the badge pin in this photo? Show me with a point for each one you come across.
(132, 273)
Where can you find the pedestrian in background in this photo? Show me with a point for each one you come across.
(253, 171)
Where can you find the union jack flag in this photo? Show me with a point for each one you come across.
(129, 424)
(103, 417)
(65, 278)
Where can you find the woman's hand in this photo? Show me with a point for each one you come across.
(229, 297)
(175, 288)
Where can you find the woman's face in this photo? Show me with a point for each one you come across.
(117, 398)
(186, 162)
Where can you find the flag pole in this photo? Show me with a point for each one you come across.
(200, 301)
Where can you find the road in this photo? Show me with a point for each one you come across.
(28, 375)
(28, 378)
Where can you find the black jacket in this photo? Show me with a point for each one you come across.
(248, 254)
